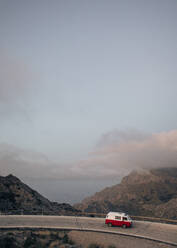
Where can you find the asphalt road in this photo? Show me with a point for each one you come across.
(157, 231)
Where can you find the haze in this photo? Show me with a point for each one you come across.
(87, 92)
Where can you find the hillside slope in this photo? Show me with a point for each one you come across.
(17, 197)
(146, 193)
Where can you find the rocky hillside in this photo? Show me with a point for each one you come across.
(145, 193)
(16, 197)
(36, 239)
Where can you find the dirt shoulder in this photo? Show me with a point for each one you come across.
(109, 240)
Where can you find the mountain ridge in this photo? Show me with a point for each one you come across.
(18, 197)
(144, 193)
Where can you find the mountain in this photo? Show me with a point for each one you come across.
(141, 193)
(17, 197)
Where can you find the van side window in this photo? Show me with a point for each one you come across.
(124, 218)
(117, 218)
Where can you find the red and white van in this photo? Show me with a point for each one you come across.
(118, 219)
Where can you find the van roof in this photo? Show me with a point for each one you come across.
(117, 213)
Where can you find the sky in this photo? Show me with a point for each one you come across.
(87, 90)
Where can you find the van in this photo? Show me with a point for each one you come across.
(118, 219)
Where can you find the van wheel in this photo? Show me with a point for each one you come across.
(124, 226)
(110, 224)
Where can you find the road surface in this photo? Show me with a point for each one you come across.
(156, 231)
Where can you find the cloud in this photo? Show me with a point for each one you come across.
(119, 136)
(15, 85)
(118, 152)
(12, 78)
(27, 163)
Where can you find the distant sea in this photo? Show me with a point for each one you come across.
(69, 191)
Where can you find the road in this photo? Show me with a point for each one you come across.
(157, 231)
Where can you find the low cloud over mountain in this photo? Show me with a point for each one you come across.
(116, 154)
(120, 152)
(27, 163)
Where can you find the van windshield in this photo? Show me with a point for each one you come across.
(128, 217)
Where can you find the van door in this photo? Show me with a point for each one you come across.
(125, 221)
(117, 221)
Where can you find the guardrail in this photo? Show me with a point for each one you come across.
(140, 218)
(11, 228)
(86, 214)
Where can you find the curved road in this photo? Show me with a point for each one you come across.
(151, 230)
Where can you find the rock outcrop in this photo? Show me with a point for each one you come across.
(17, 197)
(144, 193)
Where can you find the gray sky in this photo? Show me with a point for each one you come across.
(73, 71)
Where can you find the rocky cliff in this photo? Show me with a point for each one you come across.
(16, 197)
(145, 193)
